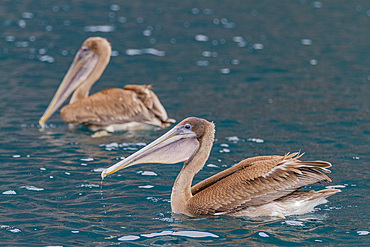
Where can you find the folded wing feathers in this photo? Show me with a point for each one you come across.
(113, 105)
(258, 183)
(150, 100)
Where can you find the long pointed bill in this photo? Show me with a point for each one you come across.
(83, 64)
(177, 145)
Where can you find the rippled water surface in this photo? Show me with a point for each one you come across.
(274, 76)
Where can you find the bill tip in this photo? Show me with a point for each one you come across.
(103, 175)
(42, 124)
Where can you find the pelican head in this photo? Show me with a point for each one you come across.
(88, 65)
(178, 145)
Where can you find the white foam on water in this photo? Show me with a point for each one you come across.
(87, 159)
(22, 24)
(99, 169)
(9, 192)
(146, 186)
(126, 144)
(233, 139)
(133, 52)
(258, 46)
(201, 38)
(147, 33)
(263, 234)
(257, 140)
(154, 199)
(206, 54)
(148, 173)
(191, 234)
(15, 230)
(225, 71)
(89, 186)
(111, 145)
(195, 234)
(9, 38)
(317, 4)
(47, 58)
(363, 233)
(30, 187)
(238, 39)
(156, 234)
(99, 28)
(335, 186)
(128, 238)
(10, 228)
(306, 42)
(152, 51)
(115, 7)
(235, 61)
(313, 62)
(293, 223)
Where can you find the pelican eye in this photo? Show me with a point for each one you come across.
(187, 126)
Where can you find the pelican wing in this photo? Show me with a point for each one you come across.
(273, 160)
(151, 101)
(254, 182)
(114, 106)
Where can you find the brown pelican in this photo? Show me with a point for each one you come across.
(133, 107)
(258, 186)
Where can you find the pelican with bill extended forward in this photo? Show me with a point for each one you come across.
(258, 186)
(133, 107)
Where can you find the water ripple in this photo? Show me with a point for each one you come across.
(100, 28)
(190, 234)
(152, 51)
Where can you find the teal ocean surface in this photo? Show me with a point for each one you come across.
(274, 77)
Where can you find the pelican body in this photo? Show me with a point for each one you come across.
(133, 107)
(258, 186)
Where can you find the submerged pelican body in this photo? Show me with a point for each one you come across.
(133, 107)
(258, 186)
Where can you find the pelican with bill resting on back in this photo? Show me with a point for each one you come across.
(133, 107)
(258, 186)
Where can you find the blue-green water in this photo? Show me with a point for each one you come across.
(274, 76)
